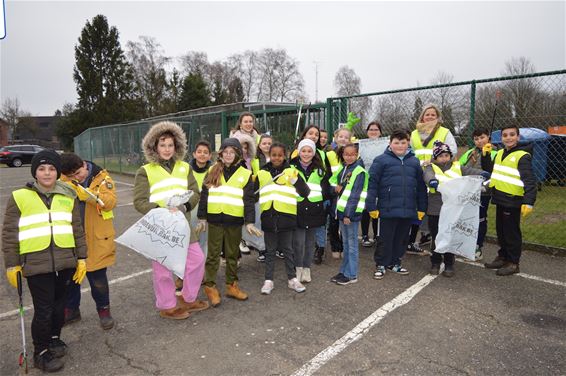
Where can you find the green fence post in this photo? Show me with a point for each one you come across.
(119, 149)
(472, 113)
(328, 116)
(224, 123)
(343, 110)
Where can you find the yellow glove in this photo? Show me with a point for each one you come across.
(420, 215)
(526, 210)
(292, 175)
(374, 214)
(252, 230)
(12, 275)
(486, 150)
(81, 272)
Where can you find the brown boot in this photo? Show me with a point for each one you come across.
(497, 263)
(197, 305)
(174, 313)
(213, 295)
(508, 269)
(233, 291)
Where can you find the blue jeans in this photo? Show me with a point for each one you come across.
(98, 288)
(350, 248)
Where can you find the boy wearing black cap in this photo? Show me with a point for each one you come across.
(43, 238)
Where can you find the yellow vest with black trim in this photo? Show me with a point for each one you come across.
(443, 176)
(38, 224)
(282, 197)
(313, 182)
(424, 153)
(228, 197)
(505, 176)
(347, 191)
(163, 184)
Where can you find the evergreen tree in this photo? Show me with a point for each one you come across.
(194, 93)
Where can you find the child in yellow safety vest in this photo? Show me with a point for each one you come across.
(199, 166)
(226, 203)
(442, 169)
(350, 183)
(514, 193)
(43, 241)
(278, 188)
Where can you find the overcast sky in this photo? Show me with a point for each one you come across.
(390, 45)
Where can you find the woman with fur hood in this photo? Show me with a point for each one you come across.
(165, 147)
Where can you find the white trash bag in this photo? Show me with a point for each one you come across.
(162, 236)
(459, 216)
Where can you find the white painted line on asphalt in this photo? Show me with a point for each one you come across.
(85, 290)
(130, 204)
(528, 276)
(363, 327)
(123, 183)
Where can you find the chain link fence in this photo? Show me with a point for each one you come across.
(536, 101)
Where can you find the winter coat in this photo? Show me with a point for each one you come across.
(357, 189)
(312, 214)
(53, 258)
(245, 138)
(273, 220)
(226, 219)
(435, 198)
(199, 172)
(101, 250)
(396, 186)
(526, 174)
(141, 182)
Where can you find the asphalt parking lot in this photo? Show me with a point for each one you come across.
(472, 324)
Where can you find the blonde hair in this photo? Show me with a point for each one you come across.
(336, 132)
(428, 107)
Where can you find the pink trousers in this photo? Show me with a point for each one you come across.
(164, 284)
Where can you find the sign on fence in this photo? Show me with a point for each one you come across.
(371, 148)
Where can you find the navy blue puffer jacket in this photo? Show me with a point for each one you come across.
(396, 186)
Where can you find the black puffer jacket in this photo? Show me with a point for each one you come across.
(525, 170)
(273, 220)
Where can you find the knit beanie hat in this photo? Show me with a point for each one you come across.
(307, 142)
(439, 148)
(46, 156)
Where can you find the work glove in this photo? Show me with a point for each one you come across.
(351, 121)
(252, 230)
(80, 273)
(433, 183)
(177, 200)
(526, 210)
(292, 175)
(201, 226)
(12, 275)
(374, 214)
(420, 215)
(81, 193)
(486, 150)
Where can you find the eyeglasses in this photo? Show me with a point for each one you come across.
(373, 129)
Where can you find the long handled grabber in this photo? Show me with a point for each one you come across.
(497, 97)
(23, 355)
(270, 181)
(298, 119)
(95, 197)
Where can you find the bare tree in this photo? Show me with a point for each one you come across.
(279, 76)
(17, 119)
(245, 68)
(523, 95)
(195, 62)
(347, 82)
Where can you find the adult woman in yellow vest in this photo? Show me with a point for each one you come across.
(442, 169)
(43, 238)
(310, 211)
(99, 230)
(278, 188)
(514, 193)
(165, 175)
(226, 203)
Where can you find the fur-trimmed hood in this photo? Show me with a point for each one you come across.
(246, 139)
(152, 136)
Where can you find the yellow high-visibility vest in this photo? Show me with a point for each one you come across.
(163, 184)
(443, 176)
(505, 176)
(347, 191)
(283, 197)
(38, 224)
(313, 182)
(424, 153)
(228, 197)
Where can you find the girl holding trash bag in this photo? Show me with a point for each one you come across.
(43, 239)
(165, 175)
(226, 203)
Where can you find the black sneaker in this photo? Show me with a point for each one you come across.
(448, 271)
(279, 254)
(336, 277)
(72, 315)
(414, 249)
(366, 242)
(346, 281)
(45, 361)
(57, 347)
(260, 258)
(425, 239)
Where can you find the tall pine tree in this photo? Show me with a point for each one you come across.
(194, 93)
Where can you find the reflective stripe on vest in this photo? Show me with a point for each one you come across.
(347, 191)
(228, 198)
(313, 182)
(505, 176)
(163, 184)
(38, 224)
(283, 198)
(333, 160)
(424, 153)
(443, 176)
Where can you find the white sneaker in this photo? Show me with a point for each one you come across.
(299, 273)
(294, 284)
(267, 287)
(306, 275)
(244, 248)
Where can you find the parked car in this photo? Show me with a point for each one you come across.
(18, 155)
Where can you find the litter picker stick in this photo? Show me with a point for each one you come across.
(23, 361)
(100, 202)
(298, 119)
(497, 97)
